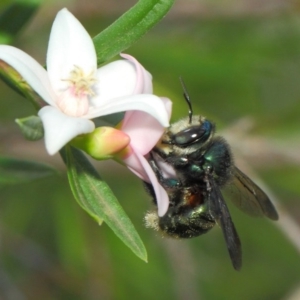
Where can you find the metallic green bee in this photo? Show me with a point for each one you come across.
(203, 165)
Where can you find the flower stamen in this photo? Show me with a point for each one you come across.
(74, 100)
(81, 83)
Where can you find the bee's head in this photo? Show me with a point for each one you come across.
(188, 134)
(185, 137)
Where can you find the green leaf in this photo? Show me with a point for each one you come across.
(13, 19)
(31, 128)
(14, 171)
(97, 199)
(130, 27)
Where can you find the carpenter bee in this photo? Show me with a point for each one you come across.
(201, 166)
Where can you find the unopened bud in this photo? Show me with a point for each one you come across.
(103, 143)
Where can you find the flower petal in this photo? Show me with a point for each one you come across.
(60, 128)
(116, 79)
(138, 164)
(69, 45)
(32, 72)
(144, 78)
(148, 103)
(143, 129)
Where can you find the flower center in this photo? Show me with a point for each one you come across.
(82, 83)
(74, 101)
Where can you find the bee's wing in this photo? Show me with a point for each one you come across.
(248, 197)
(219, 211)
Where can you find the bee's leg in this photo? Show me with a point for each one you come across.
(174, 160)
(150, 190)
(165, 182)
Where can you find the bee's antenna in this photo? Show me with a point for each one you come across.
(187, 99)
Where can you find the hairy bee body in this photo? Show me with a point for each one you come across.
(201, 166)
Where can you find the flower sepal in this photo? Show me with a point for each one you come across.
(103, 143)
(31, 128)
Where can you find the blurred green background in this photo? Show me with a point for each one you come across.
(240, 61)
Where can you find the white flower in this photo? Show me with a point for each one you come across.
(75, 90)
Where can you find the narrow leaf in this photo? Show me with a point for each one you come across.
(95, 196)
(14, 171)
(13, 19)
(130, 27)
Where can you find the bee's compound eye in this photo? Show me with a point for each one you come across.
(193, 134)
